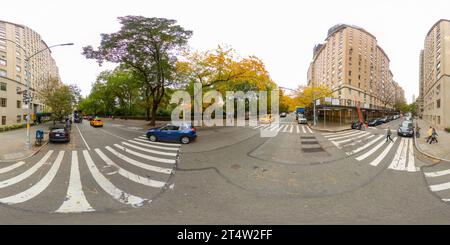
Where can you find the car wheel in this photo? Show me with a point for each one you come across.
(152, 138)
(185, 140)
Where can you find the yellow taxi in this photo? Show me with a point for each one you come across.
(96, 122)
(266, 119)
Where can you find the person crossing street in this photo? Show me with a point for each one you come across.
(429, 134)
(388, 135)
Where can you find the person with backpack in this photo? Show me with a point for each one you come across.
(434, 136)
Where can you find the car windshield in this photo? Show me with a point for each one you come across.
(406, 124)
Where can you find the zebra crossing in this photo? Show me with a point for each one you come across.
(438, 180)
(374, 149)
(116, 171)
(286, 128)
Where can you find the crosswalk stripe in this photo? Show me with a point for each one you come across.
(303, 129)
(440, 187)
(76, 201)
(160, 143)
(39, 187)
(411, 164)
(348, 140)
(151, 158)
(173, 154)
(310, 131)
(298, 129)
(367, 154)
(26, 174)
(365, 146)
(347, 136)
(357, 142)
(280, 128)
(383, 154)
(437, 173)
(148, 144)
(286, 129)
(109, 188)
(291, 129)
(10, 168)
(400, 157)
(129, 175)
(328, 135)
(257, 127)
(139, 164)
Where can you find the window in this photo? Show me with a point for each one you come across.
(18, 68)
(3, 86)
(3, 102)
(2, 62)
(18, 78)
(3, 120)
(19, 118)
(19, 104)
(438, 103)
(2, 73)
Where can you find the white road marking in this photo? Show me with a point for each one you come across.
(365, 146)
(367, 154)
(11, 167)
(39, 187)
(303, 129)
(310, 131)
(258, 127)
(279, 129)
(117, 136)
(328, 135)
(109, 188)
(357, 142)
(286, 129)
(129, 175)
(348, 140)
(347, 136)
(291, 129)
(383, 154)
(298, 129)
(155, 159)
(147, 144)
(134, 128)
(440, 187)
(159, 143)
(139, 164)
(411, 165)
(79, 131)
(173, 154)
(76, 201)
(26, 174)
(400, 157)
(437, 173)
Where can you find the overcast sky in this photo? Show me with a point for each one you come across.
(280, 32)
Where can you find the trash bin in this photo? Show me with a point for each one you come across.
(39, 137)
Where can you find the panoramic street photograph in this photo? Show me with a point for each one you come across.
(224, 113)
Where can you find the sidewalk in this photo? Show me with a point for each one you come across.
(13, 143)
(330, 127)
(440, 150)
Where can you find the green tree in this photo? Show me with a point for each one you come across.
(58, 97)
(146, 46)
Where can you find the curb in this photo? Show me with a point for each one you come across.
(429, 155)
(30, 155)
(328, 130)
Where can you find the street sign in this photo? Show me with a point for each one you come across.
(318, 102)
(335, 102)
(328, 99)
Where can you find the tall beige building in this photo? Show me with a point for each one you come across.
(435, 75)
(16, 43)
(351, 63)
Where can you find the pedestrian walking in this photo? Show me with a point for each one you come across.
(388, 135)
(434, 136)
(429, 134)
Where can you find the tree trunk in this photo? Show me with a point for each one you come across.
(154, 109)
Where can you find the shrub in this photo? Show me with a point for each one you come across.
(447, 129)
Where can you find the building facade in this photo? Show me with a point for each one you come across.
(435, 75)
(17, 42)
(351, 63)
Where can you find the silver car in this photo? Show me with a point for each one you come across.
(302, 119)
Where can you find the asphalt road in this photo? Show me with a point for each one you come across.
(230, 175)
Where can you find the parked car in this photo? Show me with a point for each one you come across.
(374, 122)
(185, 133)
(283, 114)
(384, 120)
(391, 118)
(302, 119)
(59, 133)
(96, 122)
(405, 129)
(356, 125)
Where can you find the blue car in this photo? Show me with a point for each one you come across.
(184, 133)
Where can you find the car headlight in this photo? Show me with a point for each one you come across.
(400, 130)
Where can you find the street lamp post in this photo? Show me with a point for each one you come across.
(28, 98)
